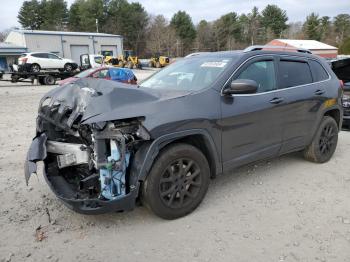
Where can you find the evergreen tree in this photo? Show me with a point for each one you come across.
(184, 28)
(274, 20)
(312, 27)
(30, 15)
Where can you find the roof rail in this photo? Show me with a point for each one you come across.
(284, 48)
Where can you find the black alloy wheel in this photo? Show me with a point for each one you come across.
(179, 183)
(324, 142)
(327, 139)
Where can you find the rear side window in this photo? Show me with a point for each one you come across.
(318, 72)
(263, 73)
(294, 73)
(40, 55)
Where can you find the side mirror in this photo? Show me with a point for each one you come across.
(241, 86)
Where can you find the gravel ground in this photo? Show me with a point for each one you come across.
(286, 209)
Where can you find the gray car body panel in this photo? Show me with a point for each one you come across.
(236, 129)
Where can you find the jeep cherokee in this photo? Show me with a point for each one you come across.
(105, 145)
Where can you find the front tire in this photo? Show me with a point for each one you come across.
(68, 67)
(177, 182)
(324, 143)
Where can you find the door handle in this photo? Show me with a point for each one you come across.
(276, 100)
(319, 92)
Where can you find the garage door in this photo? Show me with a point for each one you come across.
(77, 50)
(111, 49)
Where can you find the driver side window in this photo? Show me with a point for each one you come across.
(263, 73)
(52, 56)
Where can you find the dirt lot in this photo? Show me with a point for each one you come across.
(283, 210)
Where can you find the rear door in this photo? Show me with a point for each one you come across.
(43, 59)
(38, 58)
(302, 98)
(251, 126)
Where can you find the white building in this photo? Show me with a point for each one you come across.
(66, 44)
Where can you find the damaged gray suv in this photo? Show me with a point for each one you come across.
(106, 145)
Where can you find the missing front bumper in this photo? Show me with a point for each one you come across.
(42, 150)
(90, 206)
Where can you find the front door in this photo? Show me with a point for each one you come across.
(55, 62)
(251, 125)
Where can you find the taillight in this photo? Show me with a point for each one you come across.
(341, 84)
(24, 60)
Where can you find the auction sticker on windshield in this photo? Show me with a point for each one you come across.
(214, 64)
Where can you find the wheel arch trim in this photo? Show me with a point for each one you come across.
(147, 153)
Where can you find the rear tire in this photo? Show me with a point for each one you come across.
(35, 68)
(177, 182)
(324, 143)
(49, 80)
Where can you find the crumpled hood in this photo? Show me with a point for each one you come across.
(101, 100)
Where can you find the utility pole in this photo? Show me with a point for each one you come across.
(96, 25)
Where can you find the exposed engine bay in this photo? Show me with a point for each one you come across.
(85, 164)
(95, 163)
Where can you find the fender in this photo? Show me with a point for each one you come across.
(322, 113)
(145, 156)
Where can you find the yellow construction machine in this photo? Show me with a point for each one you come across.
(128, 59)
(159, 61)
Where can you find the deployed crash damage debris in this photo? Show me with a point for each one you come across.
(85, 164)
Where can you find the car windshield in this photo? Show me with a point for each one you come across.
(85, 73)
(190, 74)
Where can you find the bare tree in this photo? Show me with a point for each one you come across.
(161, 38)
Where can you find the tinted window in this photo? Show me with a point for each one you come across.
(263, 73)
(294, 73)
(40, 55)
(52, 56)
(318, 72)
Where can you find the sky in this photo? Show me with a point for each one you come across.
(210, 10)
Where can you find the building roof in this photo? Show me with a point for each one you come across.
(307, 44)
(9, 48)
(10, 45)
(41, 32)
